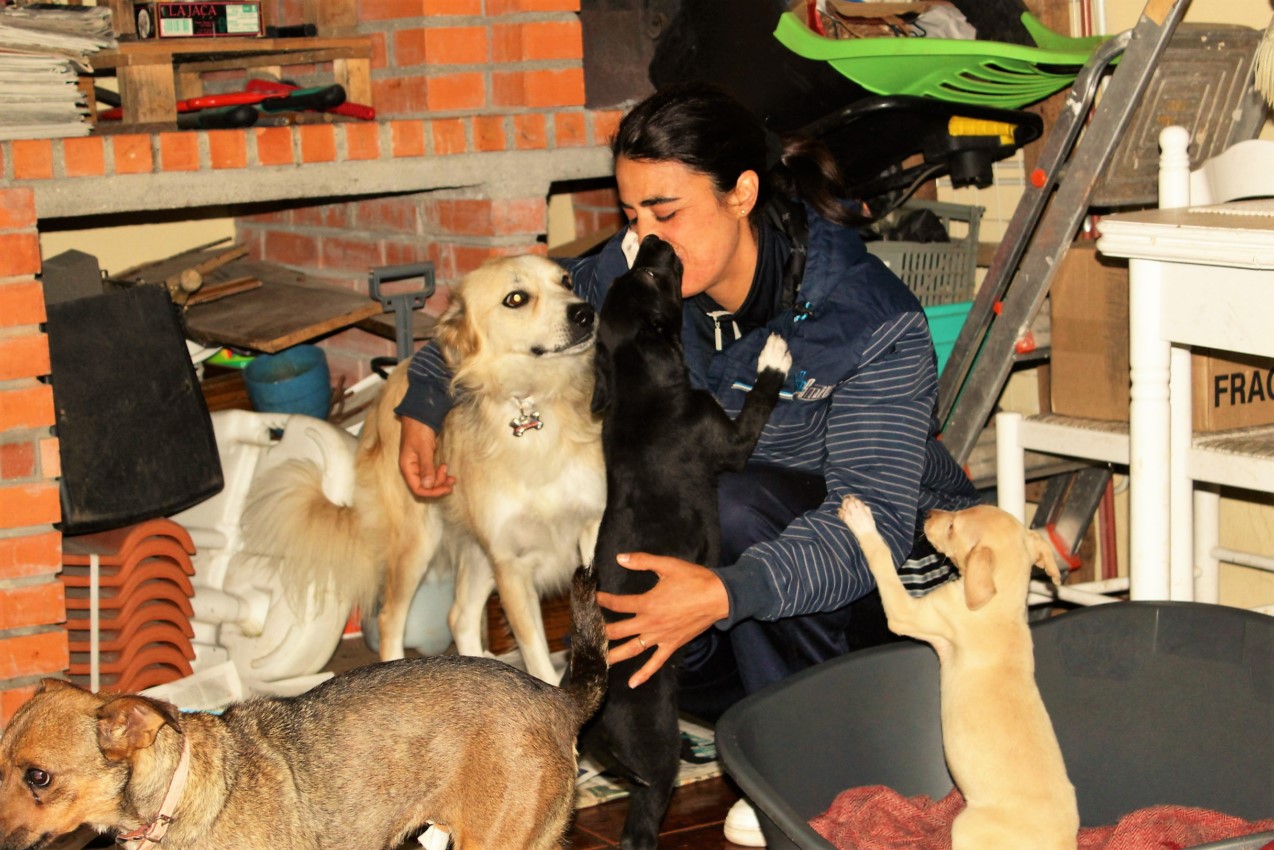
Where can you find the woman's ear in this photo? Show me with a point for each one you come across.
(743, 196)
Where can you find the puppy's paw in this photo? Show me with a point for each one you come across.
(775, 355)
(855, 514)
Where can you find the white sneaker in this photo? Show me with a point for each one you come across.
(742, 827)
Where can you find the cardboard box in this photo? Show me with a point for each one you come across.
(215, 19)
(1089, 363)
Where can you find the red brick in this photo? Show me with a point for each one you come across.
(291, 249)
(29, 406)
(569, 130)
(519, 216)
(321, 215)
(24, 355)
(537, 41)
(19, 254)
(606, 198)
(355, 254)
(133, 154)
(21, 303)
(449, 136)
(555, 88)
(407, 138)
(488, 133)
(84, 157)
(50, 458)
(409, 47)
(17, 208)
(439, 8)
(457, 46)
(178, 151)
(318, 143)
(397, 214)
(227, 149)
(40, 604)
(380, 50)
(605, 125)
(509, 7)
(42, 653)
(22, 505)
(389, 10)
(13, 699)
(463, 217)
(31, 555)
(274, 145)
(362, 141)
(530, 131)
(405, 253)
(17, 460)
(32, 159)
(454, 92)
(508, 89)
(401, 96)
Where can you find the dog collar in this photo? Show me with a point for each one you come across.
(152, 833)
(528, 418)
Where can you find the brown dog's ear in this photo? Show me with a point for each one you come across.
(1042, 555)
(454, 334)
(50, 684)
(978, 571)
(130, 723)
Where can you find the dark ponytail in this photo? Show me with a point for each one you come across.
(708, 131)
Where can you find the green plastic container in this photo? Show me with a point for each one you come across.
(990, 73)
(945, 321)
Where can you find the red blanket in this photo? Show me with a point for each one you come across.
(878, 818)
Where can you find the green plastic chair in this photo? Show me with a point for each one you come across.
(990, 73)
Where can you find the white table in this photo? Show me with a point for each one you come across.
(1198, 276)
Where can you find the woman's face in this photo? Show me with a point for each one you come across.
(709, 231)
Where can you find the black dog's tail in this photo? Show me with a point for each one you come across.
(586, 679)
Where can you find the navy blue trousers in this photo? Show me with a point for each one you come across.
(720, 667)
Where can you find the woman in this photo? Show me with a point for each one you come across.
(766, 246)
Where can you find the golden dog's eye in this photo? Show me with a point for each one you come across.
(517, 298)
(566, 281)
(37, 778)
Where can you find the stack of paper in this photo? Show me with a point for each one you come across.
(42, 53)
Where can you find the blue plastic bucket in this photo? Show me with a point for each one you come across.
(295, 380)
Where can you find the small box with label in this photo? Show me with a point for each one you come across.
(199, 20)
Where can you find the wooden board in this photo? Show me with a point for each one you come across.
(288, 308)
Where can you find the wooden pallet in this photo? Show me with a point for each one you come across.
(156, 73)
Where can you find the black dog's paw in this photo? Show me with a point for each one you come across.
(775, 355)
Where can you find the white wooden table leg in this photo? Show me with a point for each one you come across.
(1148, 428)
(1010, 465)
(1207, 536)
(1181, 503)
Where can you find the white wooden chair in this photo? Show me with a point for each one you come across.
(1243, 458)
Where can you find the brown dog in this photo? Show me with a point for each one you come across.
(363, 760)
(998, 740)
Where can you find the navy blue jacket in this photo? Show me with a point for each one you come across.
(858, 409)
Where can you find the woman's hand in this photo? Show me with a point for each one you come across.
(685, 601)
(416, 461)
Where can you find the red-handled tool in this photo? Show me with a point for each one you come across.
(320, 98)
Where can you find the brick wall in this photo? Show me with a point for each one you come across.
(450, 78)
(31, 598)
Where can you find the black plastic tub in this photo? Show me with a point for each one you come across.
(1154, 703)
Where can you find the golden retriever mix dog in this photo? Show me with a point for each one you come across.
(363, 761)
(522, 444)
(996, 734)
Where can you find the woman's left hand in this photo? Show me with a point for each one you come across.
(685, 601)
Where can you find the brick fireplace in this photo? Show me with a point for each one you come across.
(481, 117)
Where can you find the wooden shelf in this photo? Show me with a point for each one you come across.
(156, 73)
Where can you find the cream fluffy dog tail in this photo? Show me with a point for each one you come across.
(317, 542)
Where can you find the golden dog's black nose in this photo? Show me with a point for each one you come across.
(581, 314)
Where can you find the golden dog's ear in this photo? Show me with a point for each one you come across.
(130, 723)
(1042, 555)
(978, 570)
(455, 334)
(603, 378)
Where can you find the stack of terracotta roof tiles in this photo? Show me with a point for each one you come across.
(143, 605)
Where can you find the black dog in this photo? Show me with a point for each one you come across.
(664, 445)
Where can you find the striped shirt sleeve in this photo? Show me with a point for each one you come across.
(875, 448)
